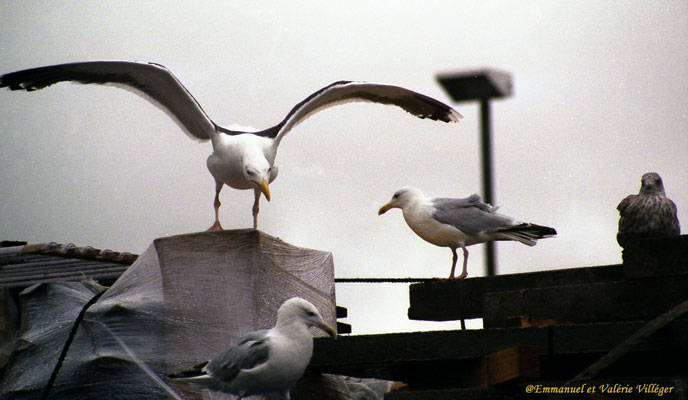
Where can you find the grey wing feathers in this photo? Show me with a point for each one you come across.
(247, 352)
(473, 217)
(349, 91)
(469, 215)
(152, 81)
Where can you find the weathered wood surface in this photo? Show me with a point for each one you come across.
(597, 302)
(621, 349)
(452, 299)
(446, 299)
(656, 257)
(450, 358)
(509, 365)
(342, 327)
(524, 320)
(448, 394)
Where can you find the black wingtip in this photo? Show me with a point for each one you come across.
(543, 231)
(536, 230)
(197, 370)
(546, 231)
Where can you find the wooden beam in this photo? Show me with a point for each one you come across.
(453, 299)
(342, 312)
(343, 328)
(632, 341)
(419, 357)
(525, 320)
(447, 394)
(597, 302)
(511, 364)
(442, 358)
(656, 257)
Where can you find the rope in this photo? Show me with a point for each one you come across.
(384, 280)
(67, 344)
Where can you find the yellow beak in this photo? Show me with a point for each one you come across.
(265, 189)
(384, 209)
(328, 329)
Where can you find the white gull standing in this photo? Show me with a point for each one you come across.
(240, 159)
(650, 213)
(265, 361)
(460, 223)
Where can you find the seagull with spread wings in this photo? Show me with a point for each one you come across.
(264, 361)
(240, 159)
(458, 223)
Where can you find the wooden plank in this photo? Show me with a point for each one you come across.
(447, 394)
(419, 357)
(597, 302)
(511, 364)
(453, 299)
(343, 328)
(631, 342)
(441, 358)
(656, 257)
(526, 320)
(604, 336)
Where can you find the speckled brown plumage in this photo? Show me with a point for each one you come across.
(650, 213)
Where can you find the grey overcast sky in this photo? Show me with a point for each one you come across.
(600, 97)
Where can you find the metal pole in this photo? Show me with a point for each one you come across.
(486, 141)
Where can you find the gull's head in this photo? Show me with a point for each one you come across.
(401, 199)
(651, 183)
(258, 174)
(298, 309)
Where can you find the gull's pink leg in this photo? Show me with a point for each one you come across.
(464, 273)
(256, 209)
(216, 226)
(454, 259)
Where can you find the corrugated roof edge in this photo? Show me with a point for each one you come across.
(70, 250)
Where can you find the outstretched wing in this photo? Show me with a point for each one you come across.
(154, 82)
(349, 91)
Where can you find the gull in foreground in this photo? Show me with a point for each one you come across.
(460, 223)
(650, 213)
(265, 361)
(240, 159)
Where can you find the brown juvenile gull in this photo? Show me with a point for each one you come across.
(460, 223)
(265, 361)
(241, 159)
(650, 213)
